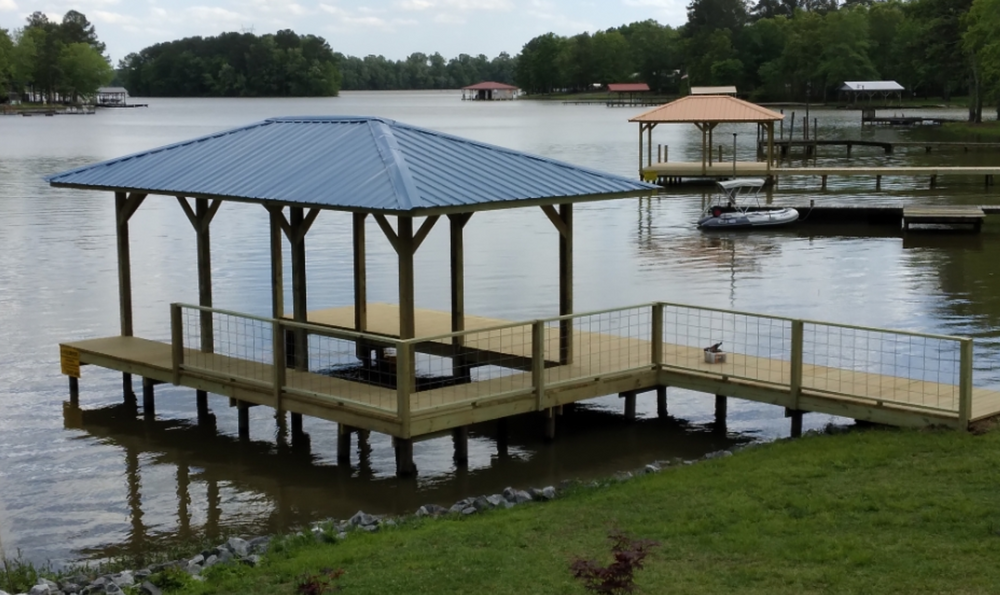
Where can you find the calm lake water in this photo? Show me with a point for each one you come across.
(89, 483)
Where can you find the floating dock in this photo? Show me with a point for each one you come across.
(677, 172)
(971, 215)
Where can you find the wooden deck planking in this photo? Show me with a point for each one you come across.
(597, 355)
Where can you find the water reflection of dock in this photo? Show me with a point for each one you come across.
(295, 487)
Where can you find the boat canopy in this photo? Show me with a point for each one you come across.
(742, 183)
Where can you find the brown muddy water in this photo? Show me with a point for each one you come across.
(87, 483)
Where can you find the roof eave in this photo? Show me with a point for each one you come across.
(417, 212)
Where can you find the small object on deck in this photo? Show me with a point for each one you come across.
(714, 354)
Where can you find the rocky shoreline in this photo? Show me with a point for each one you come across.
(237, 550)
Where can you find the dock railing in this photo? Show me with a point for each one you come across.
(521, 361)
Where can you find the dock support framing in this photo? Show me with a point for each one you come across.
(125, 206)
(721, 410)
(344, 444)
(460, 437)
(629, 405)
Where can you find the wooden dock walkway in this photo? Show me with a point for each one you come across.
(495, 368)
(810, 148)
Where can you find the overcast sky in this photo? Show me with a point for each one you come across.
(393, 28)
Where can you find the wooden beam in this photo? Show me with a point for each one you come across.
(554, 217)
(132, 203)
(390, 233)
(308, 221)
(278, 212)
(566, 284)
(405, 250)
(188, 211)
(360, 273)
(425, 228)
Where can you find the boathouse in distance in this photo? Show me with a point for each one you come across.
(489, 91)
(418, 374)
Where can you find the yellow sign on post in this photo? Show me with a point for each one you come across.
(69, 360)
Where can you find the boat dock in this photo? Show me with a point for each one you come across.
(809, 148)
(676, 172)
(441, 382)
(943, 215)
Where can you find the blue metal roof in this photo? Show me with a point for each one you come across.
(349, 163)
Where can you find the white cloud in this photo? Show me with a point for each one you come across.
(114, 18)
(449, 19)
(8, 5)
(349, 20)
(459, 5)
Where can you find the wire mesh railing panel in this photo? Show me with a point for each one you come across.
(735, 344)
(473, 365)
(881, 365)
(227, 344)
(352, 369)
(597, 344)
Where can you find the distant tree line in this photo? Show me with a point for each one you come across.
(420, 71)
(786, 50)
(52, 61)
(284, 64)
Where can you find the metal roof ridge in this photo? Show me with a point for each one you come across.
(395, 163)
(514, 152)
(156, 150)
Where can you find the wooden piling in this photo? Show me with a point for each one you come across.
(824, 181)
(721, 406)
(344, 444)
(201, 400)
(629, 405)
(243, 410)
(661, 402)
(460, 437)
(74, 391)
(550, 425)
(404, 458)
(796, 417)
(878, 182)
(148, 397)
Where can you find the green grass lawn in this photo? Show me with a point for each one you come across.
(865, 512)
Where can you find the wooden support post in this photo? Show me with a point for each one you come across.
(550, 425)
(798, 349)
(538, 363)
(74, 391)
(965, 384)
(280, 371)
(404, 251)
(125, 206)
(460, 436)
(243, 410)
(721, 406)
(456, 230)
(566, 284)
(641, 130)
(770, 144)
(277, 265)
(300, 307)
(656, 332)
(711, 141)
(661, 402)
(649, 144)
(878, 182)
(405, 384)
(202, 225)
(176, 342)
(148, 397)
(344, 444)
(849, 147)
(823, 177)
(360, 273)
(629, 405)
(934, 181)
(404, 458)
(796, 416)
(296, 419)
